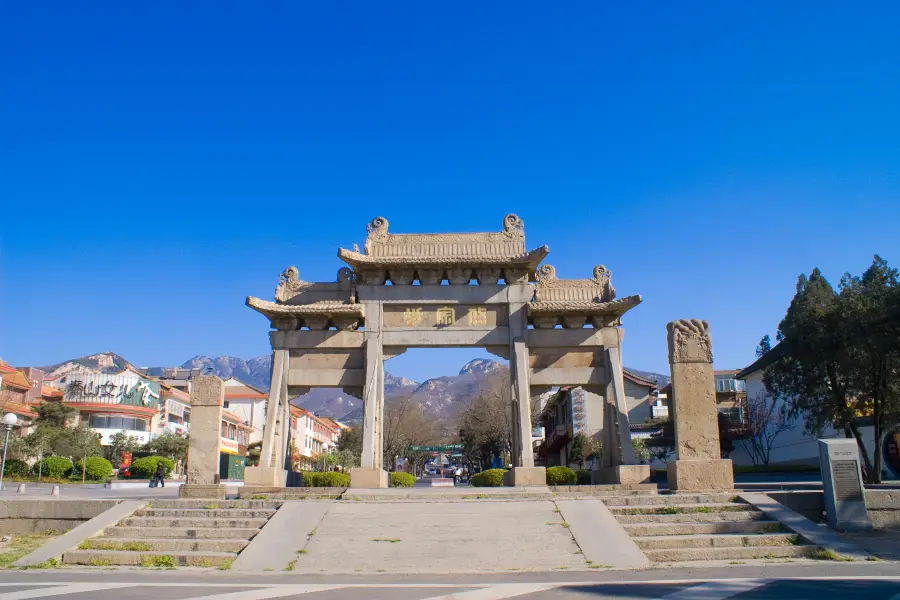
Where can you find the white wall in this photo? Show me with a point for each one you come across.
(790, 447)
(251, 411)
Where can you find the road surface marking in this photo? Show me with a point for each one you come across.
(497, 592)
(59, 589)
(717, 590)
(276, 591)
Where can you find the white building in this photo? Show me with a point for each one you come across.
(249, 403)
(313, 436)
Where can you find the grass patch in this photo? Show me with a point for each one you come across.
(829, 554)
(100, 562)
(162, 561)
(302, 551)
(259, 497)
(389, 540)
(268, 569)
(561, 568)
(212, 506)
(482, 496)
(23, 545)
(203, 562)
(96, 544)
(565, 524)
(556, 510)
(580, 552)
(291, 566)
(872, 558)
(551, 522)
(737, 562)
(226, 566)
(311, 533)
(669, 510)
(600, 566)
(772, 527)
(795, 540)
(704, 509)
(380, 571)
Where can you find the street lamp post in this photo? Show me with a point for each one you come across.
(9, 422)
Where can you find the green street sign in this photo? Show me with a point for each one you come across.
(444, 448)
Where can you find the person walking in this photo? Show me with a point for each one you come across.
(160, 476)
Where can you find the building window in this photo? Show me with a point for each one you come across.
(116, 422)
(226, 404)
(727, 383)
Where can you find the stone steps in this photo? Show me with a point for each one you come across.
(145, 544)
(184, 533)
(220, 513)
(694, 517)
(192, 522)
(722, 540)
(742, 527)
(176, 533)
(669, 500)
(691, 527)
(103, 558)
(735, 553)
(217, 504)
(678, 509)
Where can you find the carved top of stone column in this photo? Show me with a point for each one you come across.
(555, 298)
(384, 250)
(299, 302)
(207, 390)
(689, 341)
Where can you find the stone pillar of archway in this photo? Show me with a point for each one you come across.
(271, 471)
(371, 473)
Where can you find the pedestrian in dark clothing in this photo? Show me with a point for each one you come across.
(160, 476)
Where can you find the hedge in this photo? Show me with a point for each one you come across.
(97, 468)
(489, 478)
(584, 477)
(561, 476)
(59, 467)
(16, 468)
(400, 479)
(313, 479)
(145, 468)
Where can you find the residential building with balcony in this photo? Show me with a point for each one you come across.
(174, 411)
(234, 439)
(15, 388)
(311, 436)
(249, 403)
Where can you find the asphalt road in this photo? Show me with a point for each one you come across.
(828, 582)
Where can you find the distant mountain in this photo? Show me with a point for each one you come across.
(105, 362)
(441, 397)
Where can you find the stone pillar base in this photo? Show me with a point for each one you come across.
(521, 476)
(196, 490)
(621, 475)
(265, 477)
(701, 475)
(365, 478)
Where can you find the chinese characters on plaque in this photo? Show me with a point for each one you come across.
(441, 316)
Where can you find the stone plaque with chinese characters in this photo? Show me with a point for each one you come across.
(437, 316)
(845, 499)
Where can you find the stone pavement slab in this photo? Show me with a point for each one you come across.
(276, 545)
(435, 537)
(602, 539)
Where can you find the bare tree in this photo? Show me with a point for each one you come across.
(405, 425)
(485, 422)
(767, 418)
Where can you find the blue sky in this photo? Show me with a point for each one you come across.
(160, 162)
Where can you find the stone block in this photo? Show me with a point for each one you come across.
(701, 475)
(365, 478)
(524, 476)
(190, 490)
(207, 397)
(265, 477)
(622, 475)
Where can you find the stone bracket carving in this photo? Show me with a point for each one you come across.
(689, 341)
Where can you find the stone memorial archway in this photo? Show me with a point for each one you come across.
(554, 332)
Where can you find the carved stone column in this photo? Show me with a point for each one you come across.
(207, 398)
(523, 472)
(271, 471)
(371, 473)
(699, 465)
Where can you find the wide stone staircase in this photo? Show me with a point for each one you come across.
(170, 533)
(692, 527)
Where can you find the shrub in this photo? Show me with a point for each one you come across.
(561, 476)
(584, 477)
(96, 468)
(312, 479)
(402, 480)
(145, 468)
(489, 478)
(56, 466)
(16, 468)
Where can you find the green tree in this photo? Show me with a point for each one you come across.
(171, 445)
(120, 443)
(641, 452)
(351, 439)
(52, 414)
(839, 353)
